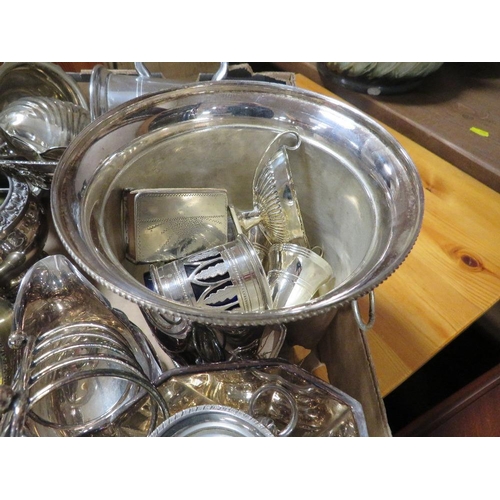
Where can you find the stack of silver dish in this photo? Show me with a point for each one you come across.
(185, 203)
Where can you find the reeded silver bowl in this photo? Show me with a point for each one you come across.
(37, 79)
(360, 194)
(38, 125)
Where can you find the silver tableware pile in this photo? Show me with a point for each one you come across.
(216, 283)
(41, 111)
(81, 362)
(41, 127)
(83, 369)
(266, 264)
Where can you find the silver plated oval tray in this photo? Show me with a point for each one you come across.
(360, 194)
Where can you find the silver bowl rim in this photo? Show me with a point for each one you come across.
(146, 298)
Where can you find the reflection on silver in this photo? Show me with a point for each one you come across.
(211, 421)
(7, 355)
(83, 363)
(166, 224)
(295, 274)
(228, 277)
(108, 89)
(37, 79)
(282, 396)
(23, 231)
(39, 126)
(259, 240)
(265, 343)
(276, 206)
(273, 389)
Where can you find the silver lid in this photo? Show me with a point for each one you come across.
(211, 421)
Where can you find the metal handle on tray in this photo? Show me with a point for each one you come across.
(371, 313)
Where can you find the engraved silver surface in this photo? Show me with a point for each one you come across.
(167, 224)
(229, 277)
(15, 196)
(23, 230)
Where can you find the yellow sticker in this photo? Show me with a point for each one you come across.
(478, 131)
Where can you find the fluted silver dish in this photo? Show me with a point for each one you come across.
(276, 206)
(37, 79)
(39, 127)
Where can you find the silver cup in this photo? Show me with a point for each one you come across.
(228, 277)
(295, 274)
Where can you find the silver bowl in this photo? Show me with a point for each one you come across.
(38, 125)
(360, 194)
(37, 79)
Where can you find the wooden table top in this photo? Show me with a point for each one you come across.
(450, 278)
(454, 112)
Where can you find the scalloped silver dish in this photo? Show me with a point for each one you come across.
(37, 125)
